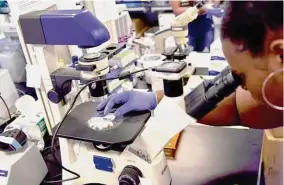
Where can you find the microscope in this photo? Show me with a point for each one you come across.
(91, 144)
(105, 149)
(179, 30)
(72, 27)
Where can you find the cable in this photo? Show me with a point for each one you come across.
(125, 75)
(45, 151)
(53, 177)
(53, 148)
(10, 116)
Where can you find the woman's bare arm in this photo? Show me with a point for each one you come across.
(178, 9)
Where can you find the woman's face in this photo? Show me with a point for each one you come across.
(254, 71)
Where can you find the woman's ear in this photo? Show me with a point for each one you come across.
(275, 61)
(276, 47)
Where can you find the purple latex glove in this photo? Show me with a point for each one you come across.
(214, 11)
(131, 100)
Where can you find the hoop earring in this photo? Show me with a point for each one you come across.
(263, 90)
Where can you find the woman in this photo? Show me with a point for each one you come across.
(252, 40)
(201, 30)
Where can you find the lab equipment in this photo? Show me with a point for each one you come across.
(205, 97)
(118, 135)
(74, 27)
(25, 166)
(170, 67)
(90, 66)
(35, 129)
(115, 137)
(208, 94)
(180, 105)
(170, 72)
(145, 45)
(20, 146)
(179, 28)
(92, 70)
(123, 26)
(89, 31)
(114, 167)
(31, 120)
(165, 20)
(116, 18)
(29, 126)
(12, 140)
(170, 109)
(150, 43)
(148, 61)
(123, 58)
(173, 106)
(150, 160)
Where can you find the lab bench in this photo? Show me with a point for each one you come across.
(217, 156)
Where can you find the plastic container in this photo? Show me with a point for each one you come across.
(150, 44)
(148, 61)
(12, 58)
(31, 122)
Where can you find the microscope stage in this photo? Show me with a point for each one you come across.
(121, 131)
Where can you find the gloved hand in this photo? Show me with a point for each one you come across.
(215, 11)
(131, 100)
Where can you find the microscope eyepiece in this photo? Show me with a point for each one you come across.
(205, 97)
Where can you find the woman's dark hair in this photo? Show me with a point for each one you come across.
(248, 22)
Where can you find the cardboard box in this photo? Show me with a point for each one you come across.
(277, 132)
(171, 148)
(272, 154)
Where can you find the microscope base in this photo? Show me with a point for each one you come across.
(106, 167)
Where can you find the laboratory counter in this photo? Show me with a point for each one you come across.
(217, 156)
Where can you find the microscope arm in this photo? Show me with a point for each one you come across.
(180, 23)
(60, 77)
(183, 19)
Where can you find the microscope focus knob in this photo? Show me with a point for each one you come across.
(54, 96)
(130, 176)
